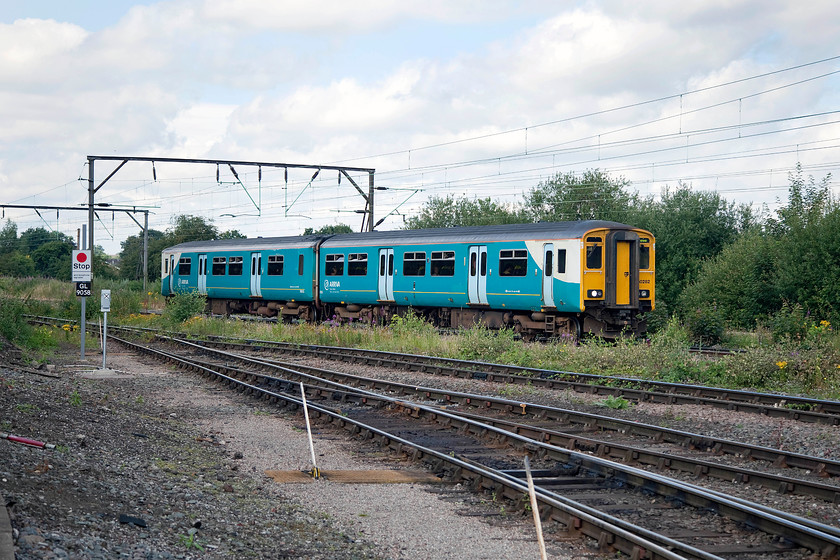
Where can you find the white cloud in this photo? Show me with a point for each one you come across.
(28, 47)
(196, 129)
(347, 18)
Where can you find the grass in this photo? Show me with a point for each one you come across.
(810, 367)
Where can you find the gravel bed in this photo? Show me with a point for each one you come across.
(156, 464)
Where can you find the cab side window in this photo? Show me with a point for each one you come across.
(594, 252)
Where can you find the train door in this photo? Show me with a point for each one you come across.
(171, 274)
(478, 275)
(622, 272)
(256, 273)
(386, 275)
(202, 274)
(548, 275)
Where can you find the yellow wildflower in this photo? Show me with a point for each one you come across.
(783, 364)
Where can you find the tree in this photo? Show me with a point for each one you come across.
(689, 228)
(9, 238)
(441, 212)
(808, 202)
(807, 259)
(15, 264)
(191, 228)
(740, 281)
(231, 234)
(52, 259)
(593, 195)
(329, 230)
(131, 256)
(33, 238)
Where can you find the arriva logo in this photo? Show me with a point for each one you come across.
(331, 284)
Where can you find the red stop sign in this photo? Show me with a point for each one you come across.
(81, 257)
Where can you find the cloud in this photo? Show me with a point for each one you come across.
(198, 128)
(351, 18)
(29, 46)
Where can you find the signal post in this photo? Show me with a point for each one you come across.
(81, 274)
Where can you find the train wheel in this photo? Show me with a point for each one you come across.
(574, 329)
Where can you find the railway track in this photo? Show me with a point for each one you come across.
(591, 479)
(587, 475)
(771, 405)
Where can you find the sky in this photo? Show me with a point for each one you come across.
(440, 97)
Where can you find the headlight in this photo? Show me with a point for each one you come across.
(595, 293)
(644, 294)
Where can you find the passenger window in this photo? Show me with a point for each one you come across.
(235, 266)
(357, 264)
(473, 261)
(414, 264)
(484, 264)
(184, 266)
(443, 263)
(561, 261)
(549, 265)
(513, 262)
(275, 265)
(335, 265)
(219, 264)
(300, 265)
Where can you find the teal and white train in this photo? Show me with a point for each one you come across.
(544, 279)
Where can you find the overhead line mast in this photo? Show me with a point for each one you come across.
(367, 221)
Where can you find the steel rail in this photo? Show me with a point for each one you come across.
(821, 411)
(821, 466)
(793, 407)
(797, 530)
(342, 392)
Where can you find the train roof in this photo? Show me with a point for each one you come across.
(264, 243)
(477, 234)
(468, 234)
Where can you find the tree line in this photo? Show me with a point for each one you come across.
(712, 256)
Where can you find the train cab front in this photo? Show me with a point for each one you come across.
(617, 284)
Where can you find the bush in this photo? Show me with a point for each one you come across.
(184, 306)
(790, 323)
(705, 325)
(13, 327)
(656, 319)
(411, 323)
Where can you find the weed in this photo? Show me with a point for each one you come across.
(27, 408)
(511, 390)
(75, 399)
(615, 403)
(190, 540)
